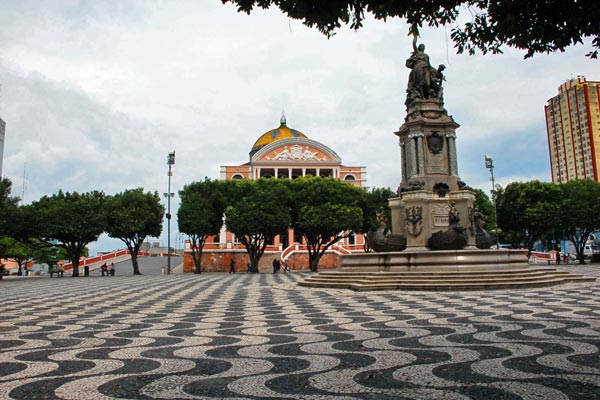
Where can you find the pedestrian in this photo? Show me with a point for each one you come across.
(285, 267)
(61, 271)
(275, 265)
(104, 269)
(51, 271)
(232, 266)
(112, 269)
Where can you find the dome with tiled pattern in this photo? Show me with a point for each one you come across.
(283, 132)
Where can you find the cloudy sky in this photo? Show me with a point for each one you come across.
(95, 94)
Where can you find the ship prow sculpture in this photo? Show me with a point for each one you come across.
(437, 240)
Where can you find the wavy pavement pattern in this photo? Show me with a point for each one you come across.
(217, 336)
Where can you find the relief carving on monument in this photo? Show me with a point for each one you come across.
(414, 220)
(440, 215)
(435, 143)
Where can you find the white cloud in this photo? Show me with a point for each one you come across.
(95, 94)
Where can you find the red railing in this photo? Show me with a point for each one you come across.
(99, 258)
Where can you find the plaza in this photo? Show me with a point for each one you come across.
(261, 336)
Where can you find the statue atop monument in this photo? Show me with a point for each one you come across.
(424, 81)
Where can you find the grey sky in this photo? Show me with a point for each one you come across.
(95, 94)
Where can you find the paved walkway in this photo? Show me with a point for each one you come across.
(260, 336)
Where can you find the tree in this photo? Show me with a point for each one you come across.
(372, 202)
(18, 251)
(8, 207)
(528, 210)
(580, 214)
(259, 212)
(74, 220)
(536, 26)
(325, 211)
(133, 215)
(484, 205)
(200, 215)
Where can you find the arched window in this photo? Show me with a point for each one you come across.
(349, 178)
(237, 176)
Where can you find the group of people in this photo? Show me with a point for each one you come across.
(60, 271)
(276, 266)
(105, 271)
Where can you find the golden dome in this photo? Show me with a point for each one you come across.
(283, 132)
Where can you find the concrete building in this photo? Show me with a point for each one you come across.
(2, 131)
(573, 126)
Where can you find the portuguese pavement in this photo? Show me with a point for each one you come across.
(261, 336)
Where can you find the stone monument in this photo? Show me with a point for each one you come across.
(434, 208)
(437, 240)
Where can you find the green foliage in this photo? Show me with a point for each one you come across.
(529, 210)
(325, 211)
(133, 215)
(536, 26)
(485, 206)
(72, 219)
(372, 202)
(200, 214)
(580, 216)
(18, 251)
(259, 212)
(8, 207)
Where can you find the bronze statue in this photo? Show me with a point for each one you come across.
(424, 81)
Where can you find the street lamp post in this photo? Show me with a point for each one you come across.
(168, 195)
(489, 164)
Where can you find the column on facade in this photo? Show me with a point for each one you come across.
(276, 172)
(303, 171)
(420, 160)
(289, 173)
(403, 161)
(318, 171)
(452, 154)
(412, 156)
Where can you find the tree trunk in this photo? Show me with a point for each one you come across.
(313, 260)
(134, 262)
(198, 261)
(75, 262)
(254, 260)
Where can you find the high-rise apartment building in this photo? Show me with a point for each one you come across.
(2, 128)
(573, 126)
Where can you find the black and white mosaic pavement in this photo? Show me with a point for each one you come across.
(221, 336)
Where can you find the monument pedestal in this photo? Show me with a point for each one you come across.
(419, 214)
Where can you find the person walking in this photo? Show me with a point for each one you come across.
(112, 269)
(275, 265)
(61, 270)
(285, 267)
(232, 266)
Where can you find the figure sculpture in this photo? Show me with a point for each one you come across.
(424, 81)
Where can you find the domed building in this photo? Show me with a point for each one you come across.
(285, 153)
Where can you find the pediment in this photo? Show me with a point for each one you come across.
(296, 150)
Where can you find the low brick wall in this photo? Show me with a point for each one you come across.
(218, 261)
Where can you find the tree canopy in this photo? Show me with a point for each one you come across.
(535, 26)
(133, 215)
(200, 214)
(580, 212)
(74, 220)
(325, 211)
(259, 212)
(528, 210)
